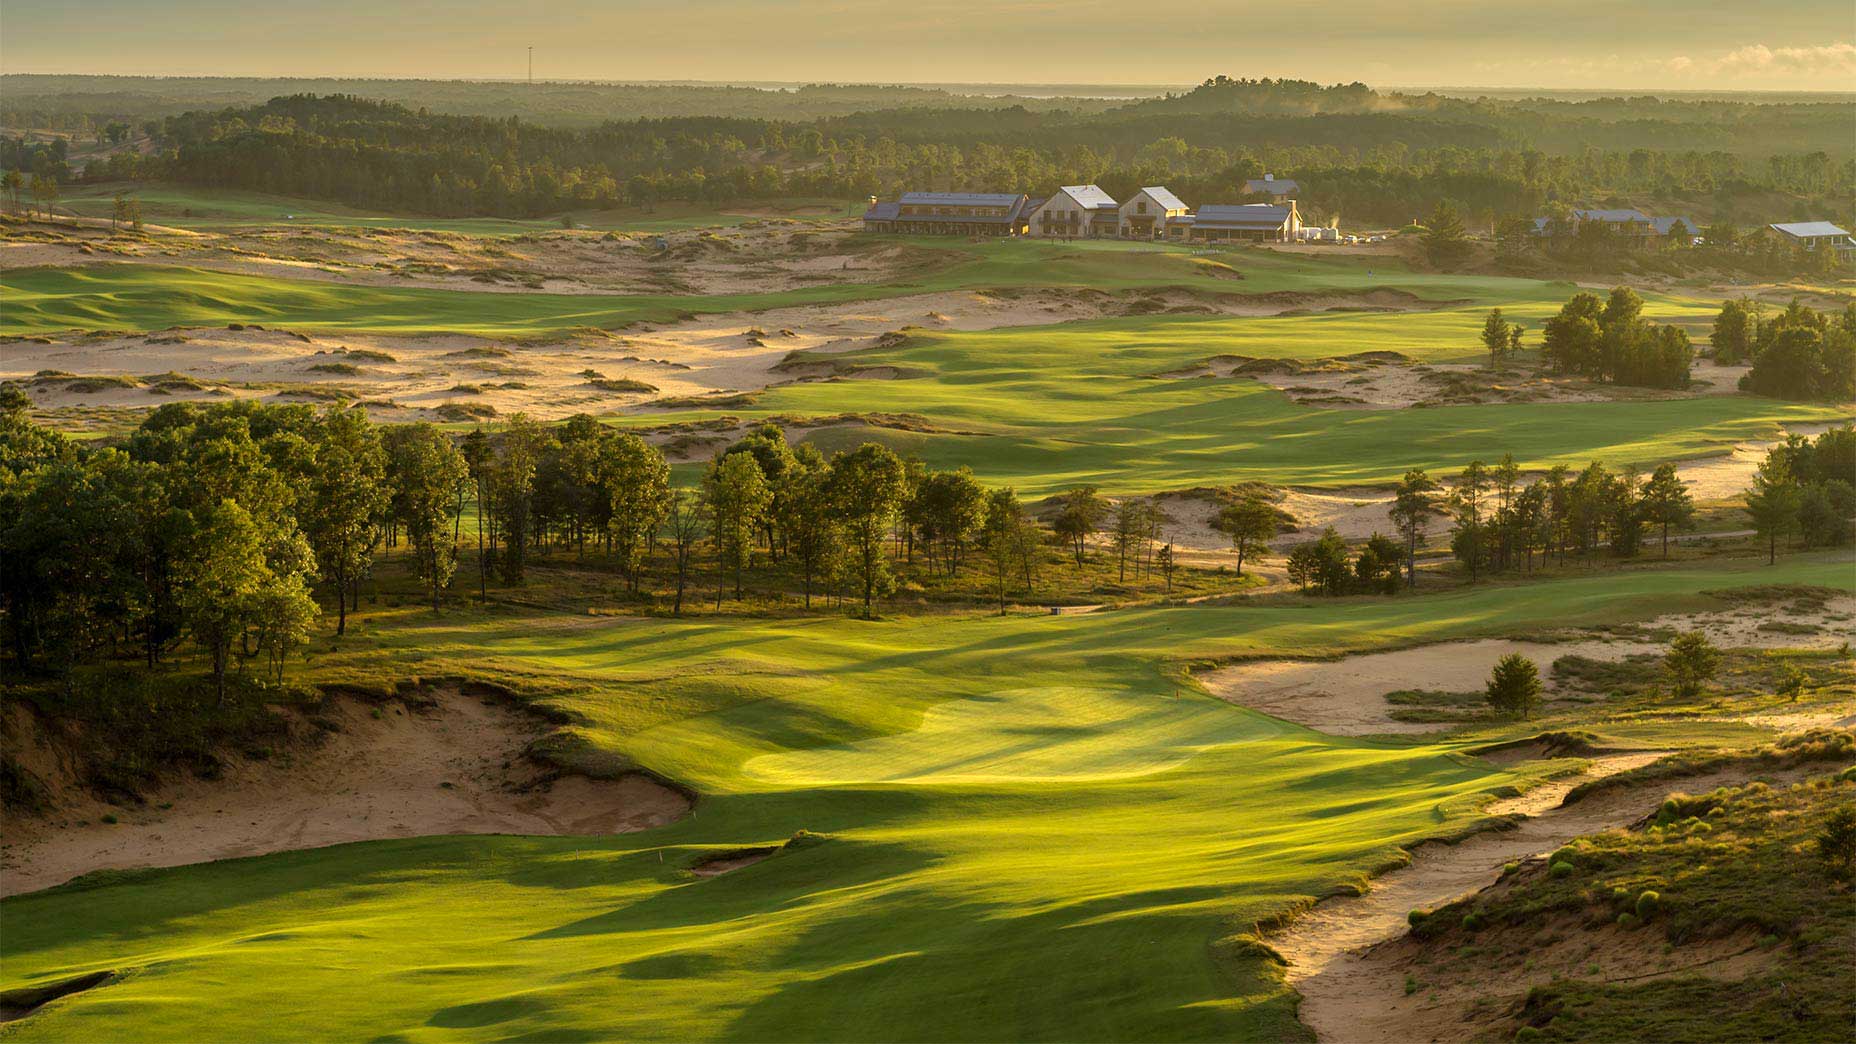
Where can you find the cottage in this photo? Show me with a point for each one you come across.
(1075, 211)
(1814, 235)
(1147, 215)
(1250, 221)
(1270, 185)
(951, 213)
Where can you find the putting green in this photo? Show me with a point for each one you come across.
(1026, 835)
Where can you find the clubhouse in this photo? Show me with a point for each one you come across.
(1086, 212)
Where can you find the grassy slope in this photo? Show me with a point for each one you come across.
(1034, 834)
(1735, 863)
(182, 206)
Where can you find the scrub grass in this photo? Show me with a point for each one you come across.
(1028, 827)
(1714, 877)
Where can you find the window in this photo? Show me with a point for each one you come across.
(1141, 207)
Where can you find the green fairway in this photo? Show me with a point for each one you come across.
(182, 206)
(152, 297)
(1032, 831)
(1046, 408)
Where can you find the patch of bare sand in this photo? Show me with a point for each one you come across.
(753, 257)
(1349, 956)
(451, 765)
(1370, 380)
(1727, 476)
(1346, 697)
(463, 378)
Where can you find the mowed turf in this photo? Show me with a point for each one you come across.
(140, 297)
(1047, 408)
(1031, 830)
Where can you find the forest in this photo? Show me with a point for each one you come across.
(1361, 155)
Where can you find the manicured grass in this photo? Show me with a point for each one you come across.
(153, 297)
(182, 206)
(1033, 831)
(1045, 408)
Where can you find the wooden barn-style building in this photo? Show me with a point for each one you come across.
(1075, 211)
(1218, 223)
(952, 213)
(1149, 212)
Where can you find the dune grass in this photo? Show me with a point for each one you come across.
(1031, 829)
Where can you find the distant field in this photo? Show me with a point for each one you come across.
(1074, 856)
(186, 207)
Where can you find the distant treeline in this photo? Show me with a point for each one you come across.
(1366, 166)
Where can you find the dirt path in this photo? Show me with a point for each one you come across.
(455, 766)
(1348, 996)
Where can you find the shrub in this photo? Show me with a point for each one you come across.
(1561, 869)
(1628, 921)
(1514, 686)
(1836, 844)
(1648, 905)
(1472, 922)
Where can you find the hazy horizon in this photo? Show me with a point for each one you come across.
(1503, 45)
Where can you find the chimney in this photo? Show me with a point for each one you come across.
(873, 201)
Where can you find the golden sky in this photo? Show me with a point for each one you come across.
(1636, 44)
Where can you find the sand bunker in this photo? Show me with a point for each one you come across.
(1346, 697)
(1375, 381)
(753, 257)
(451, 765)
(461, 378)
(1353, 987)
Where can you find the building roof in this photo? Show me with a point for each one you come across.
(1031, 205)
(1166, 199)
(1248, 215)
(961, 199)
(1664, 224)
(883, 212)
(1276, 186)
(1089, 197)
(1620, 217)
(1809, 229)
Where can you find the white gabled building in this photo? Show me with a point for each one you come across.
(1148, 213)
(1075, 211)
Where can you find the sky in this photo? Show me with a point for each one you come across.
(1627, 44)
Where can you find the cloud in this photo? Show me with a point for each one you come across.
(1835, 59)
